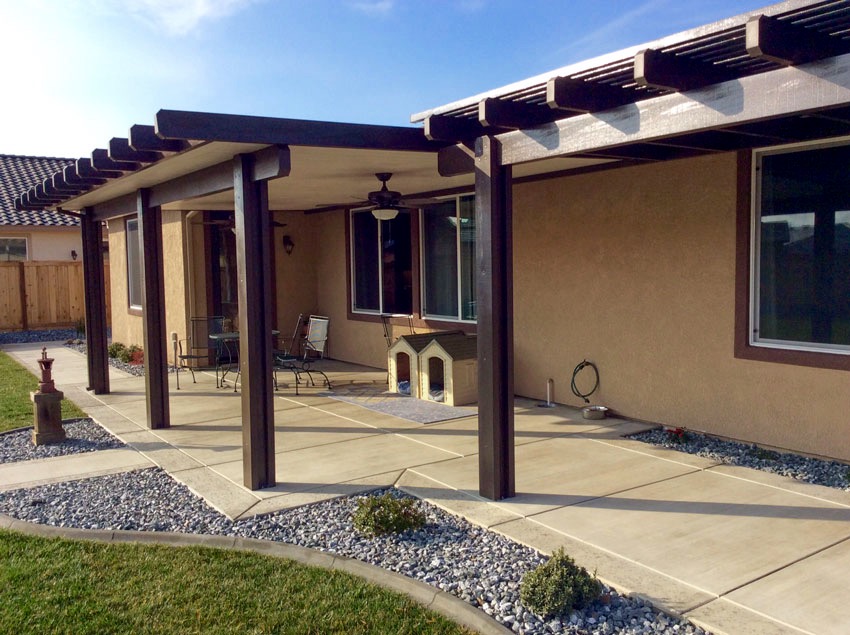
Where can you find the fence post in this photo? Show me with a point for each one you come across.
(22, 276)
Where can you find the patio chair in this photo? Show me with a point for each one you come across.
(196, 349)
(313, 346)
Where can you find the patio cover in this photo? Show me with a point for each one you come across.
(768, 77)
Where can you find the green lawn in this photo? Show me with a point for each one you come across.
(62, 586)
(15, 405)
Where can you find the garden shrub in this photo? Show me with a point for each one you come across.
(378, 515)
(129, 353)
(115, 349)
(558, 586)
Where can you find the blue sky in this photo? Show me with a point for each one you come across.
(78, 72)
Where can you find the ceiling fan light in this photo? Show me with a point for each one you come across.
(385, 213)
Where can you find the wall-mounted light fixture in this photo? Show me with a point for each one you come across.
(73, 254)
(288, 245)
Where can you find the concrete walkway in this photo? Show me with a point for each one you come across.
(735, 550)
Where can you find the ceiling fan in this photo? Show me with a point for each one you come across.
(386, 203)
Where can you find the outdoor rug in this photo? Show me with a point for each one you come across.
(402, 406)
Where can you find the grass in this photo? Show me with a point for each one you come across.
(52, 585)
(15, 405)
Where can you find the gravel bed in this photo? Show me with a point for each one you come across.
(83, 435)
(41, 335)
(134, 369)
(802, 468)
(474, 564)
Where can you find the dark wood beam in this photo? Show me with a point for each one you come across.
(121, 206)
(153, 312)
(70, 176)
(42, 196)
(455, 160)
(579, 96)
(120, 150)
(786, 43)
(95, 304)
(512, 115)
(143, 138)
(445, 128)
(22, 204)
(86, 169)
(668, 71)
(100, 161)
(201, 126)
(493, 213)
(784, 92)
(253, 266)
(269, 163)
(56, 186)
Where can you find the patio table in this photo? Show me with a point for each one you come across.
(229, 341)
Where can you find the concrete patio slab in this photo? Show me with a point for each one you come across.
(818, 586)
(715, 532)
(314, 467)
(563, 471)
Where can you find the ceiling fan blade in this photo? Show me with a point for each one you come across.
(418, 202)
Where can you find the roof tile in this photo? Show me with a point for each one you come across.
(18, 173)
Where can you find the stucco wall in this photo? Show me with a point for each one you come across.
(47, 243)
(127, 328)
(634, 269)
(296, 273)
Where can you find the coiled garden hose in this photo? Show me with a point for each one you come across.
(584, 364)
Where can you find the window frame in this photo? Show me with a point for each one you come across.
(133, 262)
(458, 317)
(355, 312)
(745, 258)
(26, 247)
(755, 250)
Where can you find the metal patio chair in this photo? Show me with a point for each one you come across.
(197, 350)
(313, 346)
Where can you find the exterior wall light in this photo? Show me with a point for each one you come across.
(288, 245)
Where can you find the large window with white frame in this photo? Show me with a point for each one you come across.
(448, 259)
(800, 285)
(134, 264)
(381, 264)
(13, 249)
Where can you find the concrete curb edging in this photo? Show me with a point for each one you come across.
(428, 596)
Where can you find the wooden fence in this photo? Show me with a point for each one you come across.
(43, 294)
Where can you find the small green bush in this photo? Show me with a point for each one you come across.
(115, 349)
(378, 515)
(558, 586)
(80, 327)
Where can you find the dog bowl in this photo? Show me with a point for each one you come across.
(594, 412)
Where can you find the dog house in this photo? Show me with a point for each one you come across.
(403, 361)
(448, 370)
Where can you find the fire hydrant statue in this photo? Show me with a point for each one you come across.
(48, 406)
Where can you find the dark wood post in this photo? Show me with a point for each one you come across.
(95, 303)
(493, 214)
(153, 309)
(253, 265)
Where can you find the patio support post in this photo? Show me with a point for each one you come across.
(95, 303)
(494, 272)
(153, 312)
(253, 265)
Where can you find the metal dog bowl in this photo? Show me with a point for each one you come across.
(594, 412)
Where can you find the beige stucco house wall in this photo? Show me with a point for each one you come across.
(47, 243)
(634, 269)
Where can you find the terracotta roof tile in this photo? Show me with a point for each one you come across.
(18, 173)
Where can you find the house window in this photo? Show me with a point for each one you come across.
(800, 288)
(134, 265)
(13, 249)
(381, 264)
(448, 260)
